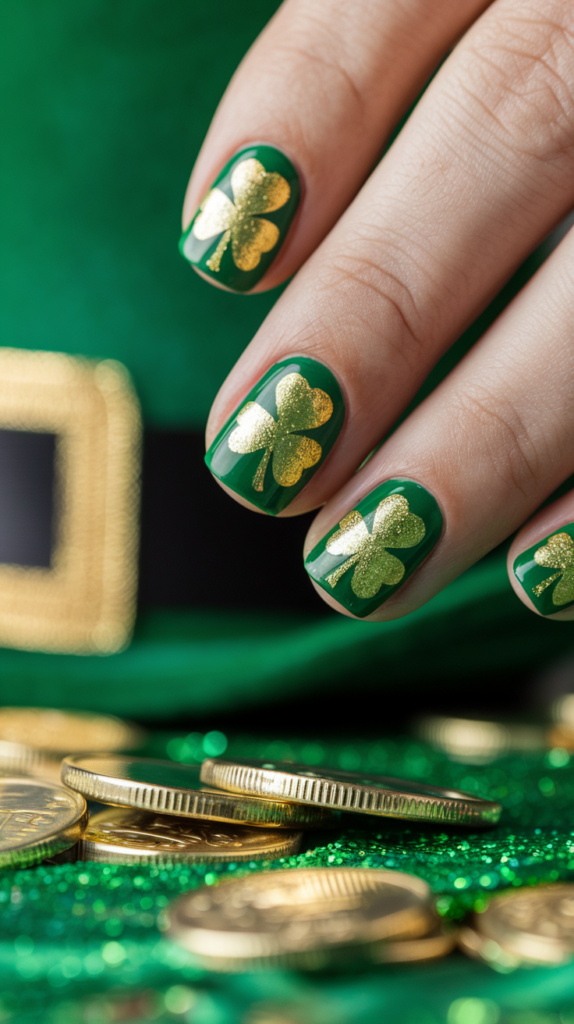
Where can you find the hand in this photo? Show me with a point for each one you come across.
(394, 266)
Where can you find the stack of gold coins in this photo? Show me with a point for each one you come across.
(313, 918)
(167, 813)
(161, 812)
(309, 918)
(531, 927)
(171, 812)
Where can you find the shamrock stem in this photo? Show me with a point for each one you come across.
(545, 583)
(334, 577)
(259, 477)
(214, 262)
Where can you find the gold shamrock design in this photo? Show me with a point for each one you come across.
(394, 526)
(255, 191)
(299, 407)
(557, 553)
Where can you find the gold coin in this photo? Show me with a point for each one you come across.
(122, 835)
(488, 951)
(441, 941)
(350, 791)
(296, 917)
(478, 741)
(67, 732)
(171, 788)
(535, 924)
(18, 759)
(37, 820)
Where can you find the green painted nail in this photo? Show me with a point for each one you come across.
(280, 435)
(546, 571)
(242, 222)
(376, 546)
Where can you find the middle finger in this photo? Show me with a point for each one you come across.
(480, 174)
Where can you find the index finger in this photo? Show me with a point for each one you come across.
(324, 85)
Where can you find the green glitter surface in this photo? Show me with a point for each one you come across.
(80, 940)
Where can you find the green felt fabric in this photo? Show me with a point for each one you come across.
(205, 661)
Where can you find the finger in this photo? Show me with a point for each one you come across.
(484, 450)
(325, 83)
(541, 561)
(479, 175)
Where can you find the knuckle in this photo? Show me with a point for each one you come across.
(491, 424)
(323, 67)
(520, 74)
(381, 298)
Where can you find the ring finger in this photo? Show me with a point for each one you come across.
(466, 469)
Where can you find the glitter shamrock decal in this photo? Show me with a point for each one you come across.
(394, 526)
(255, 191)
(299, 407)
(557, 553)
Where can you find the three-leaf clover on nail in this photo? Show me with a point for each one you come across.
(394, 526)
(299, 407)
(557, 553)
(255, 191)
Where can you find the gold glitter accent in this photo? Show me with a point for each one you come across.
(557, 553)
(255, 191)
(299, 407)
(393, 527)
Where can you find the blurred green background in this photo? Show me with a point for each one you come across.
(104, 107)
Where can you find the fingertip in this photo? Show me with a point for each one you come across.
(239, 229)
(540, 562)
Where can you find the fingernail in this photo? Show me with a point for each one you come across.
(546, 571)
(242, 222)
(280, 435)
(376, 546)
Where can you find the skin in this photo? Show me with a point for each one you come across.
(397, 262)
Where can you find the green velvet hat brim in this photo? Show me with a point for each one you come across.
(204, 661)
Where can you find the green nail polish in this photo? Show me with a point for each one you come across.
(546, 571)
(242, 222)
(280, 435)
(376, 546)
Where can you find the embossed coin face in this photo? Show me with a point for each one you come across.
(282, 914)
(66, 732)
(175, 789)
(37, 820)
(125, 836)
(534, 924)
(350, 791)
